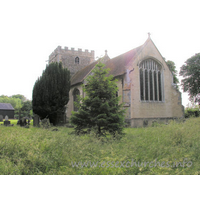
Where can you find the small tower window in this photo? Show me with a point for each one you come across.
(77, 60)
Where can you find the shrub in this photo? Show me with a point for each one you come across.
(45, 123)
(192, 112)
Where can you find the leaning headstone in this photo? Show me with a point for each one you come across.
(6, 122)
(1, 118)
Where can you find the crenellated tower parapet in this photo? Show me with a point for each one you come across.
(72, 59)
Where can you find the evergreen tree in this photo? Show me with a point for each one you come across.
(100, 108)
(51, 92)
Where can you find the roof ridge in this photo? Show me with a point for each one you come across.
(127, 52)
(116, 64)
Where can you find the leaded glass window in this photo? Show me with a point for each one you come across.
(150, 81)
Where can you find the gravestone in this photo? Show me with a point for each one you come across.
(6, 122)
(18, 122)
(36, 120)
(29, 120)
(23, 122)
(1, 118)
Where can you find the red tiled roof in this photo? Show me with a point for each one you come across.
(116, 65)
(80, 75)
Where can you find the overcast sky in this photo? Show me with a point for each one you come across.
(31, 30)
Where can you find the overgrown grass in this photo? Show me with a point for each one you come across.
(40, 151)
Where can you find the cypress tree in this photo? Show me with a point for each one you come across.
(51, 92)
(100, 109)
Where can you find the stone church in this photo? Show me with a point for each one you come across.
(145, 83)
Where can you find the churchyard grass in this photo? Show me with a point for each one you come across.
(43, 151)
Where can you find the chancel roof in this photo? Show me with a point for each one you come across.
(116, 65)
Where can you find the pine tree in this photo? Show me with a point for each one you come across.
(51, 92)
(100, 109)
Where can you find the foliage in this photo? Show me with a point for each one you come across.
(100, 109)
(191, 77)
(20, 96)
(20, 103)
(45, 123)
(43, 151)
(51, 92)
(172, 68)
(15, 102)
(192, 112)
(26, 108)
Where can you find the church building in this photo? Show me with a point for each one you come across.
(145, 83)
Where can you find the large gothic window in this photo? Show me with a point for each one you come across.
(76, 93)
(150, 73)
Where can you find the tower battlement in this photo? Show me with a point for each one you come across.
(72, 59)
(60, 50)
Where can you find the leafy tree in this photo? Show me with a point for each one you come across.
(15, 102)
(20, 96)
(51, 92)
(20, 103)
(191, 77)
(26, 108)
(172, 68)
(100, 108)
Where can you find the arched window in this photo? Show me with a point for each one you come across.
(141, 85)
(150, 81)
(76, 93)
(77, 60)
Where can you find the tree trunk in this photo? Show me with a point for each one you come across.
(99, 130)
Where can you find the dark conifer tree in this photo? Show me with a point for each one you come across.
(51, 92)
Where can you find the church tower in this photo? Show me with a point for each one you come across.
(72, 59)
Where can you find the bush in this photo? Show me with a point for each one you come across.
(45, 123)
(192, 112)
